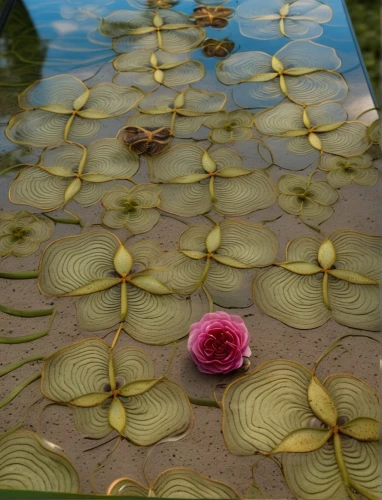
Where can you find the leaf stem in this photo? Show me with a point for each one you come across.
(32, 336)
(11, 168)
(22, 275)
(176, 218)
(115, 340)
(203, 402)
(14, 392)
(209, 298)
(13, 366)
(26, 313)
(60, 220)
(340, 458)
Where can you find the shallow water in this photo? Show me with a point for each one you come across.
(43, 39)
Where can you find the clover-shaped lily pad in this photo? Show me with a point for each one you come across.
(132, 208)
(307, 129)
(344, 171)
(216, 259)
(217, 48)
(63, 108)
(153, 4)
(166, 29)
(302, 71)
(72, 171)
(217, 17)
(297, 20)
(311, 201)
(29, 463)
(335, 278)
(327, 432)
(118, 392)
(148, 69)
(195, 182)
(144, 141)
(174, 483)
(182, 113)
(374, 131)
(98, 268)
(21, 234)
(230, 126)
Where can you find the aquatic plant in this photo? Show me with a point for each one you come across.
(73, 172)
(307, 129)
(21, 234)
(153, 4)
(29, 463)
(63, 108)
(344, 171)
(216, 259)
(327, 432)
(182, 113)
(302, 71)
(195, 182)
(148, 141)
(337, 278)
(118, 393)
(132, 208)
(230, 126)
(96, 267)
(216, 17)
(174, 483)
(148, 69)
(311, 201)
(300, 19)
(217, 48)
(166, 29)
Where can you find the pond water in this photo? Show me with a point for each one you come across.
(43, 39)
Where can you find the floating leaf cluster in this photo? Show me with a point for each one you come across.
(217, 17)
(344, 171)
(297, 20)
(302, 71)
(338, 278)
(217, 48)
(22, 234)
(195, 182)
(118, 393)
(327, 432)
(149, 142)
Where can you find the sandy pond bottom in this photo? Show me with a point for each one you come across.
(203, 449)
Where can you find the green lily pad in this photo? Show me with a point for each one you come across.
(72, 171)
(21, 234)
(314, 129)
(230, 126)
(195, 182)
(311, 201)
(174, 483)
(337, 278)
(302, 71)
(96, 267)
(154, 412)
(297, 20)
(29, 463)
(132, 208)
(62, 108)
(342, 172)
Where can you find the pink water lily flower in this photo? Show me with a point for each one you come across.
(218, 343)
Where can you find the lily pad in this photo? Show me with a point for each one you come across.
(230, 126)
(302, 71)
(217, 48)
(119, 392)
(312, 129)
(311, 201)
(216, 17)
(342, 172)
(273, 19)
(166, 29)
(195, 182)
(336, 278)
(132, 208)
(21, 234)
(218, 259)
(30, 464)
(174, 483)
(324, 430)
(147, 69)
(72, 171)
(96, 267)
(153, 4)
(63, 108)
(144, 141)
(182, 113)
